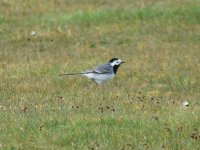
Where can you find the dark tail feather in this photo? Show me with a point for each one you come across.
(70, 74)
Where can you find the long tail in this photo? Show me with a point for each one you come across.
(71, 74)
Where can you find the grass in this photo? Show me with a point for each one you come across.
(139, 109)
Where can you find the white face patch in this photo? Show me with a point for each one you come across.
(116, 62)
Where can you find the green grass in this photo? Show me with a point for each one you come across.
(140, 109)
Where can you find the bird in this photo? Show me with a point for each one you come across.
(101, 73)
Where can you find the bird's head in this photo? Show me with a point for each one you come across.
(116, 62)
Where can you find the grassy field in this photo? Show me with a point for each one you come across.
(140, 109)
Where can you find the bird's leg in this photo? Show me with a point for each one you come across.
(95, 82)
(92, 85)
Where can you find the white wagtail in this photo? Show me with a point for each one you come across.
(103, 72)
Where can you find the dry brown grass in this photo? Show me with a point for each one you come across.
(140, 109)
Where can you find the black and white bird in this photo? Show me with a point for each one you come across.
(102, 73)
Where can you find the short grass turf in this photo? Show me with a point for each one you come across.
(140, 109)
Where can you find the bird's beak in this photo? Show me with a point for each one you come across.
(123, 62)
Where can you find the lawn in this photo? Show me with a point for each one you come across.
(141, 108)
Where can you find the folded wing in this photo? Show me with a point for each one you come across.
(102, 69)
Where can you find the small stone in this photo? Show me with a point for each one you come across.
(33, 33)
(185, 104)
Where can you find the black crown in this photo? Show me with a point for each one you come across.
(113, 59)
